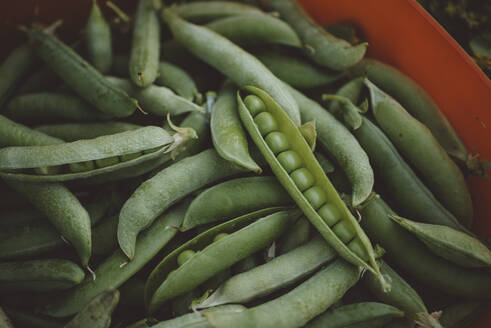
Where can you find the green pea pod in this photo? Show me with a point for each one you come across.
(324, 162)
(401, 295)
(14, 134)
(145, 45)
(157, 100)
(97, 313)
(164, 283)
(228, 135)
(115, 270)
(240, 66)
(276, 274)
(347, 110)
(180, 179)
(415, 100)
(80, 75)
(423, 151)
(298, 306)
(179, 80)
(255, 29)
(76, 131)
(311, 190)
(13, 68)
(298, 235)
(51, 106)
(212, 10)
(39, 275)
(98, 40)
(246, 264)
(23, 318)
(462, 315)
(340, 144)
(453, 245)
(366, 315)
(296, 71)
(233, 198)
(321, 46)
(197, 320)
(412, 256)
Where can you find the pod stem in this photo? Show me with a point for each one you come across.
(427, 320)
(181, 136)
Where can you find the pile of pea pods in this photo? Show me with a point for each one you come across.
(225, 164)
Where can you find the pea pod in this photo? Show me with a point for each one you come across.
(14, 134)
(227, 133)
(145, 45)
(366, 315)
(26, 319)
(97, 313)
(115, 270)
(76, 131)
(297, 169)
(164, 283)
(212, 10)
(278, 273)
(451, 244)
(233, 198)
(240, 66)
(150, 199)
(298, 306)
(13, 68)
(412, 256)
(298, 235)
(80, 75)
(87, 158)
(179, 80)
(39, 275)
(321, 46)
(51, 106)
(424, 152)
(98, 40)
(197, 320)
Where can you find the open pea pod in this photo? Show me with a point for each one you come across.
(451, 244)
(210, 256)
(88, 158)
(294, 164)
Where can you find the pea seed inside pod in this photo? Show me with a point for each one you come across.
(330, 214)
(357, 247)
(277, 142)
(344, 231)
(265, 123)
(185, 256)
(254, 104)
(303, 178)
(107, 161)
(316, 196)
(220, 236)
(290, 160)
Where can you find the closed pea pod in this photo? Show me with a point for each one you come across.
(80, 75)
(298, 306)
(215, 257)
(76, 131)
(212, 10)
(322, 47)
(197, 320)
(363, 315)
(145, 45)
(307, 183)
(98, 40)
(15, 134)
(241, 67)
(97, 313)
(179, 80)
(39, 275)
(227, 133)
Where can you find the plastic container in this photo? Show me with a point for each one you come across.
(399, 32)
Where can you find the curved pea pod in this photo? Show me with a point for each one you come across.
(91, 157)
(422, 150)
(98, 40)
(415, 100)
(303, 178)
(321, 46)
(401, 295)
(39, 275)
(296, 71)
(453, 245)
(179, 80)
(237, 64)
(164, 283)
(228, 135)
(180, 179)
(233, 198)
(255, 29)
(462, 314)
(115, 270)
(155, 99)
(13, 68)
(298, 306)
(197, 320)
(340, 144)
(366, 315)
(280, 272)
(52, 106)
(412, 256)
(15, 134)
(145, 45)
(212, 10)
(23, 318)
(76, 131)
(80, 75)
(97, 313)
